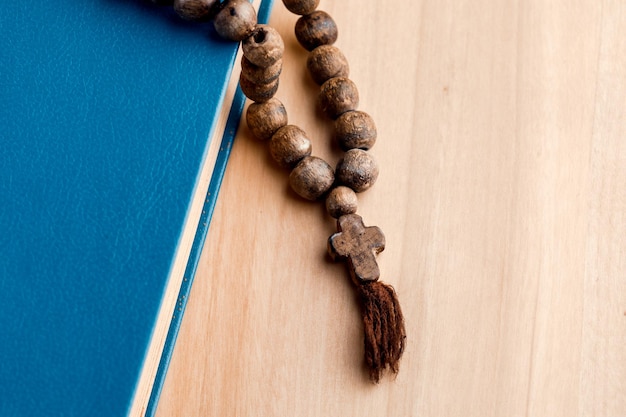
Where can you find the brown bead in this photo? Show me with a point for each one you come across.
(198, 10)
(341, 200)
(301, 7)
(264, 119)
(258, 92)
(357, 170)
(264, 47)
(326, 62)
(315, 29)
(260, 75)
(311, 178)
(337, 96)
(355, 129)
(289, 145)
(236, 20)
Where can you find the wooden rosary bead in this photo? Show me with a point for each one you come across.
(196, 10)
(357, 170)
(264, 119)
(311, 178)
(264, 47)
(340, 201)
(315, 29)
(337, 96)
(355, 129)
(301, 7)
(289, 145)
(260, 75)
(258, 92)
(326, 62)
(236, 20)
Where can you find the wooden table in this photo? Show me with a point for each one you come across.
(502, 194)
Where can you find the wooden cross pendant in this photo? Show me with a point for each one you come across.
(359, 244)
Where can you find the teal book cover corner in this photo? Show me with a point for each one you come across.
(107, 107)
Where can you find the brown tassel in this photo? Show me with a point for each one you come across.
(384, 328)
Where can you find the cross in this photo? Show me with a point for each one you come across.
(359, 244)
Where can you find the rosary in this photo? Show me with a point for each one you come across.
(311, 177)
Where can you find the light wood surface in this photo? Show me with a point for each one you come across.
(502, 195)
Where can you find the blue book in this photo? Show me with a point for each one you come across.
(116, 121)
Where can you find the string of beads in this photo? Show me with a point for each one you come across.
(311, 177)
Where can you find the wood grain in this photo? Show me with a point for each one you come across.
(502, 195)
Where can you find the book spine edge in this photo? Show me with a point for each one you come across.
(219, 170)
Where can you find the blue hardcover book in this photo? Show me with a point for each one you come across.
(114, 135)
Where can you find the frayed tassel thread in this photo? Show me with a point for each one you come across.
(383, 322)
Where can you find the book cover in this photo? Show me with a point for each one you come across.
(116, 122)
